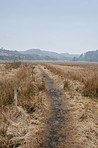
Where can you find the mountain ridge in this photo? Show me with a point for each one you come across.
(38, 54)
(90, 56)
(33, 54)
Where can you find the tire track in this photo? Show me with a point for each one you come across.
(55, 137)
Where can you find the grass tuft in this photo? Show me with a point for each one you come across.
(66, 85)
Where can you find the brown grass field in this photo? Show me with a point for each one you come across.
(25, 125)
(85, 73)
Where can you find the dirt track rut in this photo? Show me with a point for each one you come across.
(55, 137)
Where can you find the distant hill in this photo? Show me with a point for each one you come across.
(43, 54)
(70, 56)
(90, 56)
(9, 55)
(37, 54)
(16, 55)
(34, 54)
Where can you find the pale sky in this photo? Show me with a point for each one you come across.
(55, 25)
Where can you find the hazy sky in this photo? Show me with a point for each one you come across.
(55, 25)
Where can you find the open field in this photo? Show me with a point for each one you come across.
(86, 73)
(57, 105)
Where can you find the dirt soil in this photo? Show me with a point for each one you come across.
(55, 122)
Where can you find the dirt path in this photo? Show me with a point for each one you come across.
(55, 137)
(77, 127)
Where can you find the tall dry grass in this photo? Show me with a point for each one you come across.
(85, 73)
(24, 79)
(11, 65)
(16, 121)
(91, 86)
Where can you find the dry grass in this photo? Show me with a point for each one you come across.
(86, 74)
(27, 87)
(81, 122)
(66, 85)
(21, 79)
(24, 126)
(91, 86)
(11, 65)
(16, 123)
